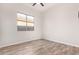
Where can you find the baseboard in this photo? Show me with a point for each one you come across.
(15, 43)
(65, 43)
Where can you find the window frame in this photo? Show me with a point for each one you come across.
(25, 21)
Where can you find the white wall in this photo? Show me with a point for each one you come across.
(0, 24)
(61, 24)
(10, 35)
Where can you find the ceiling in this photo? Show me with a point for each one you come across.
(40, 8)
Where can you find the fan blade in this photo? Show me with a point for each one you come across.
(42, 4)
(34, 4)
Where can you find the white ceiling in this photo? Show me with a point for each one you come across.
(38, 7)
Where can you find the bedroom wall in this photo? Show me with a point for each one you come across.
(61, 24)
(10, 35)
(0, 24)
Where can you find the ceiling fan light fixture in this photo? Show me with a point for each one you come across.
(38, 3)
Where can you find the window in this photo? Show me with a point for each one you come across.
(30, 23)
(25, 22)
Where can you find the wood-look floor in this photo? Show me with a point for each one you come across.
(39, 47)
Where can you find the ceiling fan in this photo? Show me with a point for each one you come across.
(39, 3)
